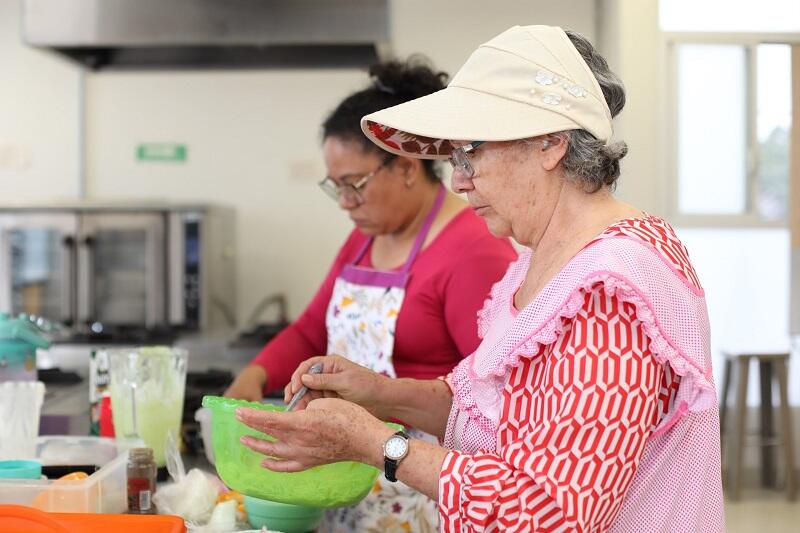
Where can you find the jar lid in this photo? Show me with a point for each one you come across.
(141, 454)
(20, 469)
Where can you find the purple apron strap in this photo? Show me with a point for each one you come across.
(364, 248)
(426, 227)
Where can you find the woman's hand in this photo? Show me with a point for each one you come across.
(248, 385)
(329, 430)
(340, 378)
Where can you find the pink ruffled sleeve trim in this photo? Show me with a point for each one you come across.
(684, 348)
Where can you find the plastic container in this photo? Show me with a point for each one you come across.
(20, 411)
(17, 519)
(24, 469)
(282, 517)
(55, 450)
(147, 388)
(335, 485)
(104, 491)
(203, 417)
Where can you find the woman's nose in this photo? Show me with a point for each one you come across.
(347, 202)
(459, 182)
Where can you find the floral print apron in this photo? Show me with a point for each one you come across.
(361, 321)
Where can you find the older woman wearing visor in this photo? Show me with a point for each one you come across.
(589, 404)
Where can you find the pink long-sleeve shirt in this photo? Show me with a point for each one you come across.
(436, 326)
(594, 409)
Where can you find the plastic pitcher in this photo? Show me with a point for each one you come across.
(20, 409)
(147, 388)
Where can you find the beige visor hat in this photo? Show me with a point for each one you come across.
(527, 81)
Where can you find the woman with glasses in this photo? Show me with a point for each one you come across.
(589, 404)
(402, 294)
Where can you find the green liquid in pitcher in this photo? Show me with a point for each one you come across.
(156, 417)
(156, 378)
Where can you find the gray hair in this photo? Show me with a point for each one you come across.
(588, 160)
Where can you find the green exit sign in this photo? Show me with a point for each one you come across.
(161, 152)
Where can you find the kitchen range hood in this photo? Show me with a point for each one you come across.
(195, 34)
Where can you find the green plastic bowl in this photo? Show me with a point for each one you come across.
(281, 516)
(335, 485)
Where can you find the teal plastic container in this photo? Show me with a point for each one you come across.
(335, 485)
(20, 469)
(19, 339)
(281, 516)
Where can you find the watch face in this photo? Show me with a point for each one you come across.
(396, 447)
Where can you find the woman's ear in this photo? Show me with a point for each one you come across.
(552, 150)
(409, 169)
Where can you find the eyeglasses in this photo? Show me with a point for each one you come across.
(350, 191)
(460, 161)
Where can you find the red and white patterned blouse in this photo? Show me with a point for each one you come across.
(577, 414)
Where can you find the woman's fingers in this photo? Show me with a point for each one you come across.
(324, 382)
(272, 423)
(296, 448)
(261, 446)
(287, 393)
(279, 456)
(277, 465)
(303, 368)
(308, 398)
(275, 449)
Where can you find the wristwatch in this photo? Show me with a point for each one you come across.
(394, 450)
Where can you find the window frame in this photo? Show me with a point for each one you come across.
(750, 41)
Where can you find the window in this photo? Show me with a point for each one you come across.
(730, 101)
(729, 15)
(773, 122)
(711, 92)
(732, 113)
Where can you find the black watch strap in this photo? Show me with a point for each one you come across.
(390, 465)
(390, 469)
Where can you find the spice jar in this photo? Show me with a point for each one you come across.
(141, 481)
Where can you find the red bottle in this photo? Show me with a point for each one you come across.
(106, 420)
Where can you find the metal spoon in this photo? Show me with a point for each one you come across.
(315, 369)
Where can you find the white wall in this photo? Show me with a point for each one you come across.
(38, 118)
(253, 143)
(448, 32)
(747, 296)
(628, 37)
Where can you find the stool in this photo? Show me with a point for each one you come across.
(767, 363)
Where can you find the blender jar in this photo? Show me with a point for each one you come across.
(147, 389)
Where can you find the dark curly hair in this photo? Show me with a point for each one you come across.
(393, 82)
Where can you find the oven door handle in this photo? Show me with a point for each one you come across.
(88, 243)
(68, 291)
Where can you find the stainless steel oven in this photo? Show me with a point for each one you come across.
(37, 264)
(121, 269)
(95, 267)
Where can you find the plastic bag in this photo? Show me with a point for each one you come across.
(193, 498)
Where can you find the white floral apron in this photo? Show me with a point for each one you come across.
(361, 320)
